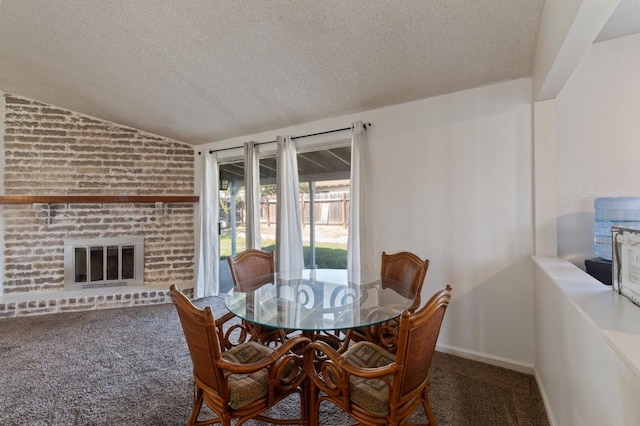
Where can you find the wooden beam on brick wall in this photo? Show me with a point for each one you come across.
(49, 199)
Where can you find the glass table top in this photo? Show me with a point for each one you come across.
(319, 299)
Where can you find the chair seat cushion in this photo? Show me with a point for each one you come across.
(246, 388)
(370, 394)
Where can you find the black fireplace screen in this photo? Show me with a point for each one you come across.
(105, 263)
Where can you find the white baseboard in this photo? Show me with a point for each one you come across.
(521, 367)
(545, 398)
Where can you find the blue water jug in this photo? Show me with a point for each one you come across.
(613, 211)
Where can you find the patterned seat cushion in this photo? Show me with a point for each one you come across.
(246, 388)
(370, 394)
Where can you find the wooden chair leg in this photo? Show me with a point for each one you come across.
(427, 409)
(197, 406)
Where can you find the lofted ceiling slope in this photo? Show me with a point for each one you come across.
(201, 71)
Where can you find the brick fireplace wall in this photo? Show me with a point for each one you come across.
(53, 151)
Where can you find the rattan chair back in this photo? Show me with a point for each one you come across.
(249, 270)
(250, 264)
(417, 337)
(199, 330)
(407, 269)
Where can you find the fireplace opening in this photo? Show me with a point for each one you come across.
(102, 262)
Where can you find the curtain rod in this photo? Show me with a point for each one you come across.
(292, 137)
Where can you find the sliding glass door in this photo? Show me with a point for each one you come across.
(324, 191)
(324, 204)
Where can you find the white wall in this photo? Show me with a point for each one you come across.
(544, 181)
(598, 134)
(452, 182)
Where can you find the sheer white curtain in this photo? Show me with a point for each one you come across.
(355, 243)
(207, 280)
(289, 254)
(252, 194)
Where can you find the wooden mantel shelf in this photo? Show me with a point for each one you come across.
(50, 199)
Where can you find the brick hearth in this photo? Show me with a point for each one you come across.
(53, 302)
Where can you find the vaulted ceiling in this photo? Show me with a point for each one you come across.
(201, 71)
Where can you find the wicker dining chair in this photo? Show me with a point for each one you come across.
(241, 382)
(247, 269)
(373, 385)
(405, 273)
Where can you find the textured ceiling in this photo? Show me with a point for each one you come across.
(200, 71)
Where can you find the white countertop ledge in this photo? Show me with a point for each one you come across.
(615, 317)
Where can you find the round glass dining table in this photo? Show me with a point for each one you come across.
(319, 299)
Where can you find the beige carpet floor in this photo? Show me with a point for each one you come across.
(131, 366)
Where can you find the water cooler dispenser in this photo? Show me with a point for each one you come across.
(610, 211)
